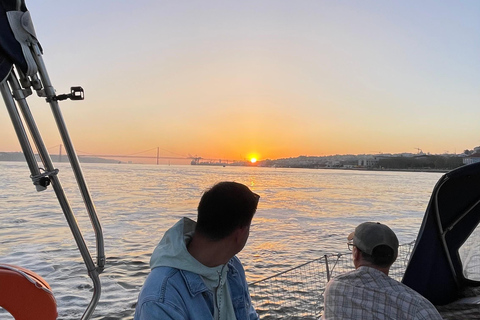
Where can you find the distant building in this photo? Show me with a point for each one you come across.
(368, 162)
(333, 163)
(474, 158)
(371, 161)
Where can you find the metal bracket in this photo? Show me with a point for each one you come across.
(43, 179)
(76, 93)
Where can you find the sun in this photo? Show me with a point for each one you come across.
(252, 158)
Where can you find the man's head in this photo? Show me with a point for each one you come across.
(377, 243)
(224, 208)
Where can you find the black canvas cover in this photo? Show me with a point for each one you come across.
(435, 269)
(10, 49)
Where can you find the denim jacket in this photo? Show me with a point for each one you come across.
(170, 293)
(180, 287)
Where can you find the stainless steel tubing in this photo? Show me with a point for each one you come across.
(20, 131)
(15, 89)
(92, 270)
(62, 198)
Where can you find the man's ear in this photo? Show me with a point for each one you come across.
(244, 230)
(241, 234)
(355, 253)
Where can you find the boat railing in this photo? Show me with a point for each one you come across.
(297, 293)
(22, 71)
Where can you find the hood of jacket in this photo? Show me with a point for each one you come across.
(172, 252)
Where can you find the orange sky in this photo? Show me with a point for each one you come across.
(224, 80)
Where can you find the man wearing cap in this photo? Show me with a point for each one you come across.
(368, 292)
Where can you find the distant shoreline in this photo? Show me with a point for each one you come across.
(92, 160)
(332, 168)
(19, 157)
(393, 169)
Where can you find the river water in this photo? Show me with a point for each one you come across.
(302, 214)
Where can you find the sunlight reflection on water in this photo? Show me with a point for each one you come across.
(302, 214)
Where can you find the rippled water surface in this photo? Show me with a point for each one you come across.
(302, 215)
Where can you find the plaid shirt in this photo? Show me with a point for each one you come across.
(367, 293)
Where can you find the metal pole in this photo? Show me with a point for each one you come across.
(93, 271)
(326, 267)
(20, 131)
(19, 128)
(43, 153)
(72, 155)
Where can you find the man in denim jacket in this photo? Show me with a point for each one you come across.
(195, 273)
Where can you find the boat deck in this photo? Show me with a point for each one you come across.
(456, 310)
(460, 311)
(297, 293)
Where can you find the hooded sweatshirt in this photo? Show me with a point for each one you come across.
(172, 252)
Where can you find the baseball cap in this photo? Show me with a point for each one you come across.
(369, 235)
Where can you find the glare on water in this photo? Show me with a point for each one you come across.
(302, 214)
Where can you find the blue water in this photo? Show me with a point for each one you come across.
(302, 214)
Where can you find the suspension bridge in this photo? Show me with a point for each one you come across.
(147, 154)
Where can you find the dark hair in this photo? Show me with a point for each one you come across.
(225, 207)
(382, 256)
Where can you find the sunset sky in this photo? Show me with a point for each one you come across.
(274, 78)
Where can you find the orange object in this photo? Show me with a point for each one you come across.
(25, 294)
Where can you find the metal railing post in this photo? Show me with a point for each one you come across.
(327, 269)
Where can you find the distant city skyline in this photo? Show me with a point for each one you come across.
(150, 157)
(265, 80)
